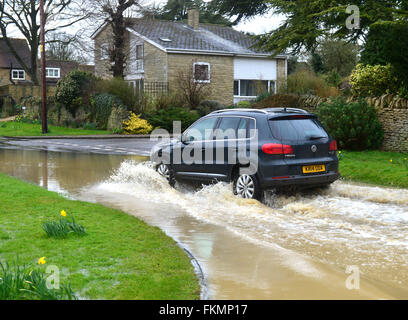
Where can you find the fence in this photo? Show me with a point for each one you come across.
(156, 88)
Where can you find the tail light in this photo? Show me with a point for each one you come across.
(333, 146)
(276, 148)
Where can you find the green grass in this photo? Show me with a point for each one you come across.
(121, 257)
(375, 167)
(15, 129)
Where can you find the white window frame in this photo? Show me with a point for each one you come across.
(209, 71)
(104, 51)
(18, 73)
(139, 63)
(53, 71)
(252, 97)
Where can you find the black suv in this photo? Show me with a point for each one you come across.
(256, 149)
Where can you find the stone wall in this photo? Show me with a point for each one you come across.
(102, 67)
(392, 112)
(221, 74)
(155, 64)
(18, 92)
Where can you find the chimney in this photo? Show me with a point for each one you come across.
(194, 19)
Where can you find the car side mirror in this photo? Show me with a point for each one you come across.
(186, 139)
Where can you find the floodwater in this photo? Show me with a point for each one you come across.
(294, 247)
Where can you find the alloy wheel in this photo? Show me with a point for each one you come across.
(245, 187)
(164, 171)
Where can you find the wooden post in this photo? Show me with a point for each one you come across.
(43, 66)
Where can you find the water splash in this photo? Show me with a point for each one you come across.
(343, 225)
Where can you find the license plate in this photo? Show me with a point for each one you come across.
(314, 168)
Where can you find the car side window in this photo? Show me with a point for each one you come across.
(227, 128)
(251, 127)
(201, 131)
(242, 129)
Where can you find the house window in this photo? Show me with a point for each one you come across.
(104, 51)
(253, 88)
(17, 74)
(52, 72)
(202, 72)
(138, 86)
(139, 57)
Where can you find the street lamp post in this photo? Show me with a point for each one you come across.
(43, 64)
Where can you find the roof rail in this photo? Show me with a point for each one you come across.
(241, 110)
(287, 110)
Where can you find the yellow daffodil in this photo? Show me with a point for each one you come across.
(42, 260)
(391, 160)
(339, 152)
(63, 213)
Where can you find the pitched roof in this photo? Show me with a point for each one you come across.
(209, 37)
(7, 58)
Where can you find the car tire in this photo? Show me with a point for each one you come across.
(247, 186)
(167, 172)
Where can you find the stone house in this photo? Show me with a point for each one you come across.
(12, 72)
(156, 52)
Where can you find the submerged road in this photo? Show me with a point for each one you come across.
(129, 146)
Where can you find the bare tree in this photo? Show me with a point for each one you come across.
(193, 86)
(23, 15)
(62, 46)
(116, 12)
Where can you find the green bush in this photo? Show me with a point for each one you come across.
(164, 118)
(244, 104)
(354, 125)
(307, 82)
(278, 101)
(75, 90)
(102, 106)
(367, 80)
(208, 106)
(121, 89)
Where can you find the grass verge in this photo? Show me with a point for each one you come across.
(15, 129)
(375, 167)
(121, 257)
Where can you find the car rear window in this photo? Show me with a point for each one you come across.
(297, 129)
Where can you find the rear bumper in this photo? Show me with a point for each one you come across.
(300, 181)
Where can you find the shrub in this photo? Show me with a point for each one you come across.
(332, 78)
(190, 91)
(244, 104)
(164, 118)
(19, 282)
(354, 125)
(164, 101)
(121, 89)
(136, 125)
(278, 101)
(75, 90)
(367, 80)
(116, 118)
(307, 82)
(208, 106)
(101, 107)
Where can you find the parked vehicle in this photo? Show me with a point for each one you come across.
(271, 148)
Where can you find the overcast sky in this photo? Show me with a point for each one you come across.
(256, 25)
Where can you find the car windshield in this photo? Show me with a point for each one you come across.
(297, 129)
